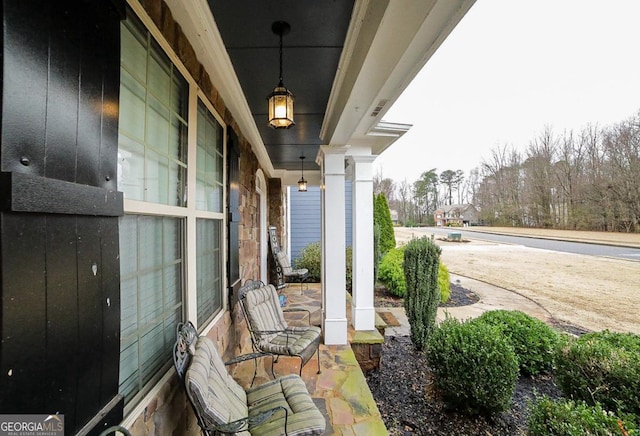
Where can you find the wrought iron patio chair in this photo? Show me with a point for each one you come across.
(270, 332)
(290, 274)
(222, 406)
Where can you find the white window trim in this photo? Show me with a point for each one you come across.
(190, 213)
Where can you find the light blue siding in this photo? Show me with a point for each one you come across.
(305, 217)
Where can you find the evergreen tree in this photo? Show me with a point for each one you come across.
(382, 218)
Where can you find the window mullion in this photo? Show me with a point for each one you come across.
(191, 297)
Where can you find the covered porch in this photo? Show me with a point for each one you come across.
(140, 175)
(346, 63)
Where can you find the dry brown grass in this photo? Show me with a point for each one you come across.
(593, 292)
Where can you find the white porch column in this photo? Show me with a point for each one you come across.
(362, 309)
(334, 286)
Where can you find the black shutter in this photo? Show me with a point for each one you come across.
(59, 208)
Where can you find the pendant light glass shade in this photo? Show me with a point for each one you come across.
(281, 99)
(302, 183)
(281, 108)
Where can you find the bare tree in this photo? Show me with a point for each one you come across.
(539, 179)
(499, 193)
(385, 186)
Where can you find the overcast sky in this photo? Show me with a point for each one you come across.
(510, 68)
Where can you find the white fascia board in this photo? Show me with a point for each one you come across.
(405, 39)
(199, 27)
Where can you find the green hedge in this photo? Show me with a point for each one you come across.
(311, 257)
(421, 260)
(391, 273)
(474, 366)
(571, 418)
(382, 217)
(534, 342)
(444, 283)
(602, 367)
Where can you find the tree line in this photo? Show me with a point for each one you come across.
(586, 180)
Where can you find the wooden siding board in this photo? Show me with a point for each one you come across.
(109, 241)
(90, 334)
(306, 218)
(62, 97)
(24, 313)
(24, 85)
(62, 315)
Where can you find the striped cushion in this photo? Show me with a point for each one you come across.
(291, 393)
(218, 397)
(284, 263)
(263, 309)
(293, 341)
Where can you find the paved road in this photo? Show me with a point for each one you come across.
(546, 244)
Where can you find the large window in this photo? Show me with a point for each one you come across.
(151, 265)
(171, 170)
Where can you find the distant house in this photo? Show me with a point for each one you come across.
(456, 215)
(394, 216)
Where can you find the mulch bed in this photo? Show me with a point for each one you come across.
(409, 404)
(459, 297)
(403, 390)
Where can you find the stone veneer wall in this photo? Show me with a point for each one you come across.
(169, 411)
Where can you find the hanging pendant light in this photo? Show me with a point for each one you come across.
(281, 99)
(302, 183)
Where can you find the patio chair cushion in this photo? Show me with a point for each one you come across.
(218, 397)
(289, 392)
(294, 341)
(265, 314)
(264, 311)
(287, 270)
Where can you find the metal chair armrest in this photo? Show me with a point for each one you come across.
(245, 357)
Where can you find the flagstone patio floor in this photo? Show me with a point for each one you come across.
(340, 391)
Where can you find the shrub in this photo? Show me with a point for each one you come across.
(420, 266)
(377, 255)
(310, 257)
(390, 272)
(444, 283)
(602, 367)
(349, 267)
(534, 342)
(474, 366)
(571, 418)
(382, 217)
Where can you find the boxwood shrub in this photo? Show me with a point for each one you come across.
(474, 366)
(602, 367)
(533, 341)
(444, 283)
(390, 272)
(310, 257)
(576, 418)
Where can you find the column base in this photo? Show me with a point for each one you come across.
(364, 318)
(335, 331)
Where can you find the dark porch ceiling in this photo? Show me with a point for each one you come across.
(311, 52)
